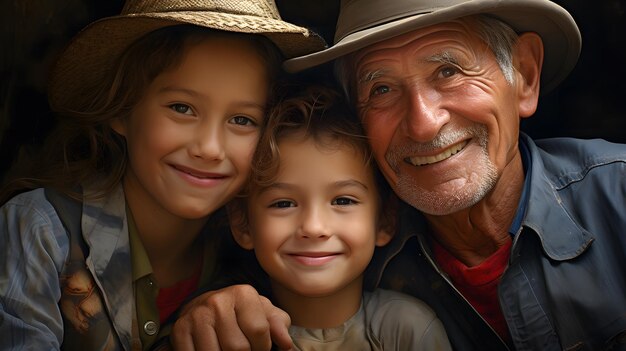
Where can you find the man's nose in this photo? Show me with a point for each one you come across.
(424, 114)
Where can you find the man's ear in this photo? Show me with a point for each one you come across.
(528, 59)
(387, 221)
(239, 223)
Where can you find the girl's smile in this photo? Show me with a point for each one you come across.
(191, 137)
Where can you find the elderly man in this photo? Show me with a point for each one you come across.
(515, 243)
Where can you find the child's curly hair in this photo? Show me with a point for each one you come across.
(319, 113)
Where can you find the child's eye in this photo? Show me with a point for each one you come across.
(283, 204)
(181, 108)
(343, 201)
(242, 121)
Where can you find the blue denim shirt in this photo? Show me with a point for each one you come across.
(35, 247)
(565, 284)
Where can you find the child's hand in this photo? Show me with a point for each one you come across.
(233, 318)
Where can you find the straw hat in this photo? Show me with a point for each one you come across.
(91, 53)
(365, 22)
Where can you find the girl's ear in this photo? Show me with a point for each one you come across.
(387, 220)
(239, 223)
(529, 60)
(118, 126)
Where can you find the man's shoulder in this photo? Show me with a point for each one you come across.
(565, 147)
(568, 160)
(582, 184)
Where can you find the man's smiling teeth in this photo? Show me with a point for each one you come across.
(426, 160)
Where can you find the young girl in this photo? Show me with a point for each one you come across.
(161, 110)
(314, 213)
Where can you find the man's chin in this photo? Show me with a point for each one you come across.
(437, 203)
(441, 209)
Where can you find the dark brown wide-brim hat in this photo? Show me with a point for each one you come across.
(91, 54)
(365, 22)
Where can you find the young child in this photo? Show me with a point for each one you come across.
(315, 209)
(161, 108)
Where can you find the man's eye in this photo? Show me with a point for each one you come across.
(242, 121)
(343, 201)
(181, 108)
(381, 89)
(282, 204)
(448, 71)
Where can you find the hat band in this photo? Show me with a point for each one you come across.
(256, 8)
(353, 18)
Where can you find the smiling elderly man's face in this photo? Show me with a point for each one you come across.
(442, 119)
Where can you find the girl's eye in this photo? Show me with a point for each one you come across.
(181, 108)
(343, 201)
(283, 204)
(242, 121)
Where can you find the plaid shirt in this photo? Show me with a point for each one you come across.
(35, 278)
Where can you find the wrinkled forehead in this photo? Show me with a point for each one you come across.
(462, 29)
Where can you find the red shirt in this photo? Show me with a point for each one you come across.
(479, 284)
(170, 298)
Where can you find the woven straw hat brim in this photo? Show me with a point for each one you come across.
(90, 55)
(558, 30)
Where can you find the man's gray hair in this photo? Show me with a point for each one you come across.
(498, 36)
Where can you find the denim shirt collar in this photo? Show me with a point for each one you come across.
(540, 210)
(516, 225)
(561, 237)
(104, 225)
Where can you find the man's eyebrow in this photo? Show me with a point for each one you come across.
(369, 76)
(443, 57)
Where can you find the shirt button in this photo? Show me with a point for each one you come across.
(150, 328)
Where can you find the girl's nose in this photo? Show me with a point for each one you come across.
(208, 143)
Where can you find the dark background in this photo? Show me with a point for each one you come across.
(586, 105)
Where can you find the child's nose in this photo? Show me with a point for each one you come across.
(208, 144)
(314, 224)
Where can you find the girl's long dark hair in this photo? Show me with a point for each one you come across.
(83, 145)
